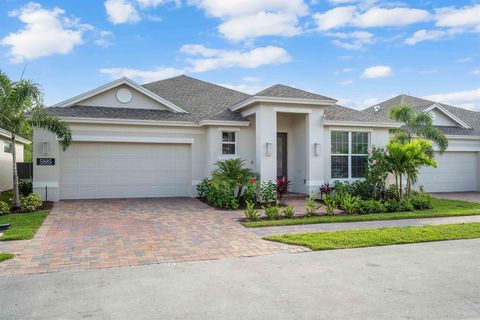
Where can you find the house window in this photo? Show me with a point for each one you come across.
(7, 147)
(349, 154)
(229, 143)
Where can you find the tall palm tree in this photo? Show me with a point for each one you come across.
(417, 124)
(21, 106)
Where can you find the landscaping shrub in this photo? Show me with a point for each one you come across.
(25, 187)
(330, 204)
(288, 212)
(326, 189)
(391, 205)
(282, 187)
(421, 201)
(405, 205)
(250, 193)
(234, 173)
(268, 191)
(221, 195)
(203, 188)
(351, 204)
(31, 202)
(272, 212)
(251, 213)
(342, 188)
(362, 189)
(371, 206)
(4, 208)
(311, 207)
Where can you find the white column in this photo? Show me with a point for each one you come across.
(266, 133)
(315, 158)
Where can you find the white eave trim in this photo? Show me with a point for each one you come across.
(461, 137)
(116, 83)
(7, 134)
(255, 99)
(362, 124)
(97, 138)
(224, 123)
(448, 114)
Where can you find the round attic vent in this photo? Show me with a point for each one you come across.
(124, 95)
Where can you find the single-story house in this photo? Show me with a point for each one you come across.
(6, 164)
(458, 167)
(160, 139)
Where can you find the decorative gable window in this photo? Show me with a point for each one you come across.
(7, 147)
(349, 154)
(229, 143)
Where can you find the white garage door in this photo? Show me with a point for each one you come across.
(456, 171)
(125, 170)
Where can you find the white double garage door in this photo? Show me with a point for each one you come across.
(456, 172)
(96, 170)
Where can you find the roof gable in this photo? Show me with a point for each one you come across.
(109, 95)
(283, 91)
(448, 115)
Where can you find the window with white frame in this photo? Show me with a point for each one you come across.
(349, 154)
(7, 147)
(229, 143)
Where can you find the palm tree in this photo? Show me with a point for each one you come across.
(21, 106)
(233, 172)
(417, 124)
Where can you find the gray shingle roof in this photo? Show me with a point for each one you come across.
(203, 100)
(471, 118)
(339, 113)
(282, 91)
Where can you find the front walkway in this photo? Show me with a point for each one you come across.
(80, 235)
(322, 227)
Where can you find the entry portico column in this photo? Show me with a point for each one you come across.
(266, 142)
(316, 151)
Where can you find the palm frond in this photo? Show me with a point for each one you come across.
(42, 119)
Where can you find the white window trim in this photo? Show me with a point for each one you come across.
(349, 155)
(226, 156)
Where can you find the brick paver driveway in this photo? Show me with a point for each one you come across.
(127, 232)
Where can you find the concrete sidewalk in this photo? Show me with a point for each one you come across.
(319, 227)
(419, 281)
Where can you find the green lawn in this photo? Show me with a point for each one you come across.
(441, 208)
(5, 256)
(380, 237)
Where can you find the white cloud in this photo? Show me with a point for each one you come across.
(476, 72)
(155, 3)
(369, 17)
(248, 19)
(469, 99)
(452, 17)
(121, 11)
(353, 41)
(381, 17)
(370, 101)
(210, 59)
(429, 35)
(142, 76)
(377, 72)
(464, 60)
(249, 85)
(103, 38)
(46, 32)
(260, 24)
(334, 18)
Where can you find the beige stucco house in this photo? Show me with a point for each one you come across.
(6, 165)
(162, 138)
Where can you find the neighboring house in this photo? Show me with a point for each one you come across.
(162, 138)
(458, 167)
(6, 164)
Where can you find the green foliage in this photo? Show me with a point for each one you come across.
(288, 212)
(203, 188)
(376, 172)
(350, 204)
(6, 256)
(25, 187)
(371, 206)
(250, 192)
(268, 191)
(421, 201)
(31, 202)
(405, 205)
(330, 204)
(4, 208)
(251, 213)
(221, 195)
(234, 173)
(392, 205)
(312, 206)
(272, 211)
(24, 225)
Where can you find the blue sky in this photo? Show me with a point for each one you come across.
(359, 52)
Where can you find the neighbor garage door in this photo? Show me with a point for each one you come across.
(125, 170)
(456, 171)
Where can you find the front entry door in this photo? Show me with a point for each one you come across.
(282, 155)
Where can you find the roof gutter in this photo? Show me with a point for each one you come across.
(362, 124)
(7, 134)
(155, 122)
